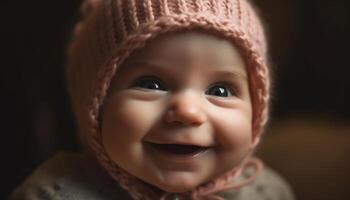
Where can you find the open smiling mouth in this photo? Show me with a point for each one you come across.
(179, 149)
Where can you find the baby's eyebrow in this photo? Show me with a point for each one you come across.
(158, 68)
(230, 74)
(165, 69)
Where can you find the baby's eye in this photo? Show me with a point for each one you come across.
(219, 90)
(150, 83)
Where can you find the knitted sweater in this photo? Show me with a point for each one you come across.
(74, 176)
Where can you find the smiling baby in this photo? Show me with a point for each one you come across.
(171, 98)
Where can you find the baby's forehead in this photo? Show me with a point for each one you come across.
(190, 47)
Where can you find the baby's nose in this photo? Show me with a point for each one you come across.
(186, 109)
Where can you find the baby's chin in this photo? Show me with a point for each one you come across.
(179, 182)
(177, 187)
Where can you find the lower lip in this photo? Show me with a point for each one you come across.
(179, 157)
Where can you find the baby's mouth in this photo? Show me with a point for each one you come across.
(179, 149)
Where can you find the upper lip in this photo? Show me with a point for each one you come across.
(180, 143)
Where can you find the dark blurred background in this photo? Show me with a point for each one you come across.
(308, 140)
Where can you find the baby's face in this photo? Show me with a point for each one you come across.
(179, 113)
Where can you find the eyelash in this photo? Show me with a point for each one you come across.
(159, 84)
(229, 88)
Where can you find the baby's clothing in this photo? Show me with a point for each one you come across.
(75, 176)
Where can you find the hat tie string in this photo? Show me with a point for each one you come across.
(209, 192)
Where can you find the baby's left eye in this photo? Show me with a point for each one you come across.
(219, 91)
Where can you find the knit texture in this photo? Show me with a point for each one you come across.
(110, 30)
(75, 176)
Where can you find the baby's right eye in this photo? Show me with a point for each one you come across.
(149, 83)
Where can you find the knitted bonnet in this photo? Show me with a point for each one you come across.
(110, 30)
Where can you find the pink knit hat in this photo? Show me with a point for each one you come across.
(110, 30)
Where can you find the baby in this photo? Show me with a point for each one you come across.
(171, 97)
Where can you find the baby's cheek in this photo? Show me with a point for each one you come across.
(125, 122)
(130, 119)
(234, 130)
